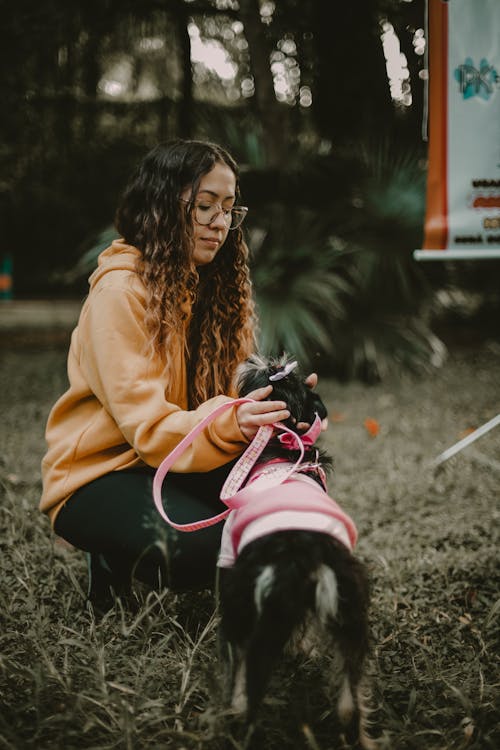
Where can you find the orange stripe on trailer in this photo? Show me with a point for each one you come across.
(436, 220)
(5, 282)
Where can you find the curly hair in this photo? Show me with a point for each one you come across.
(209, 309)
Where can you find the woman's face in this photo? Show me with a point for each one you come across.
(216, 187)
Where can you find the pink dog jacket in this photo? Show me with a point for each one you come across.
(297, 503)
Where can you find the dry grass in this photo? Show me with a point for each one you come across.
(147, 680)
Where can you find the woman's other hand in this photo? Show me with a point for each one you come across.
(253, 415)
(312, 381)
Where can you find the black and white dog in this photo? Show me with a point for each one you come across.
(293, 582)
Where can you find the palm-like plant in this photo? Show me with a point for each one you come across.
(299, 282)
(338, 286)
(386, 309)
(87, 261)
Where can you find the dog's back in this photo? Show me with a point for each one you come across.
(285, 589)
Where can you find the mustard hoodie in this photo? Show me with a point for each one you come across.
(119, 411)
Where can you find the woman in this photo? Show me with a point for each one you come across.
(168, 317)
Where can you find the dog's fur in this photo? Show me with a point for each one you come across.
(294, 589)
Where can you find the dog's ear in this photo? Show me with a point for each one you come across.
(314, 405)
(319, 406)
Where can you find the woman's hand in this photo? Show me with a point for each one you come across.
(251, 416)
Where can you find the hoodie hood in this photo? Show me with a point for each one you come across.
(117, 257)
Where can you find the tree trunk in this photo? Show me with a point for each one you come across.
(410, 17)
(352, 96)
(273, 116)
(185, 117)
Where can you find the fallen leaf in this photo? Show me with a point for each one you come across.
(372, 426)
(337, 416)
(465, 433)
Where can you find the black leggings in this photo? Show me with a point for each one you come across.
(114, 519)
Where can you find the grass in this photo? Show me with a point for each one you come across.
(148, 679)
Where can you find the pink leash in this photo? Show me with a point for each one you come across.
(229, 493)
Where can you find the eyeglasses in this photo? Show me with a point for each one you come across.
(205, 213)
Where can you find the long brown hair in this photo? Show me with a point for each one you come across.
(210, 310)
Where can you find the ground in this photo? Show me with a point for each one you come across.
(147, 680)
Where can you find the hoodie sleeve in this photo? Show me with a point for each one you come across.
(132, 389)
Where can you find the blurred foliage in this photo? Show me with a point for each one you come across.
(335, 281)
(298, 279)
(383, 224)
(333, 170)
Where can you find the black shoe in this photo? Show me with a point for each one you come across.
(104, 586)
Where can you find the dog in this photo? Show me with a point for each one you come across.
(299, 588)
